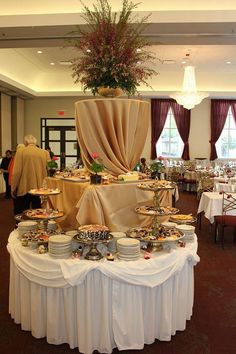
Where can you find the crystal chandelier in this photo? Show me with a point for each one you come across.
(189, 96)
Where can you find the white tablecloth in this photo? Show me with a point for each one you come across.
(211, 204)
(101, 305)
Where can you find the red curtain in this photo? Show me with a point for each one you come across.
(159, 110)
(233, 107)
(219, 111)
(182, 118)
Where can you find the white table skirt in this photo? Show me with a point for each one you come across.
(102, 311)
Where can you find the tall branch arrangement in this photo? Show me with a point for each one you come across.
(112, 52)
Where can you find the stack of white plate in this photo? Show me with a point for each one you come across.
(112, 244)
(26, 226)
(188, 231)
(128, 249)
(59, 246)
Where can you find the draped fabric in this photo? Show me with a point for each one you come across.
(116, 129)
(219, 111)
(233, 108)
(182, 118)
(159, 111)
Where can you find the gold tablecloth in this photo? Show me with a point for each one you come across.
(112, 205)
(114, 128)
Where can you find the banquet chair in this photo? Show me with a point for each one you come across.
(206, 184)
(228, 206)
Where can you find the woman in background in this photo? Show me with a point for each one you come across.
(4, 167)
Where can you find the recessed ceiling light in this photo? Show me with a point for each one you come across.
(228, 62)
(88, 50)
(138, 50)
(65, 62)
(52, 63)
(39, 51)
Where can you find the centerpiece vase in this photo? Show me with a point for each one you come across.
(110, 91)
(95, 179)
(51, 172)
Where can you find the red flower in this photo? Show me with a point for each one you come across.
(94, 155)
(54, 158)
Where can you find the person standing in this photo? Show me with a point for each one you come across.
(29, 171)
(4, 167)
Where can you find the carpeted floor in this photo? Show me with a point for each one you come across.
(212, 329)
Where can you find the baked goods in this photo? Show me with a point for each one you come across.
(162, 184)
(93, 232)
(128, 177)
(163, 234)
(41, 214)
(44, 191)
(152, 210)
(182, 218)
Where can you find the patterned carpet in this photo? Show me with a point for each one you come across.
(212, 329)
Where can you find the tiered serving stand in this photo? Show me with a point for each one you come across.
(154, 235)
(46, 213)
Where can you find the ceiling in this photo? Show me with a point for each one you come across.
(205, 31)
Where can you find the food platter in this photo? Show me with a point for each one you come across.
(159, 211)
(42, 214)
(76, 179)
(164, 235)
(183, 218)
(44, 191)
(157, 185)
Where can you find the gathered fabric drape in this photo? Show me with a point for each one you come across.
(159, 111)
(219, 111)
(233, 108)
(116, 129)
(182, 119)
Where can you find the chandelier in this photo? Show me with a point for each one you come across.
(189, 96)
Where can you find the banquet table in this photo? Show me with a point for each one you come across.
(211, 204)
(101, 305)
(112, 205)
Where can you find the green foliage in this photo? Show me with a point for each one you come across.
(111, 51)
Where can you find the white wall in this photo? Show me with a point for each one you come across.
(46, 108)
(49, 108)
(5, 118)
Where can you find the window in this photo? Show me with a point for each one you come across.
(226, 144)
(170, 143)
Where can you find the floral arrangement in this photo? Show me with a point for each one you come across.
(111, 51)
(97, 165)
(52, 164)
(158, 165)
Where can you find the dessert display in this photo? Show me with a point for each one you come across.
(128, 177)
(157, 185)
(164, 234)
(35, 239)
(44, 191)
(92, 235)
(43, 214)
(158, 232)
(94, 232)
(153, 210)
(182, 218)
